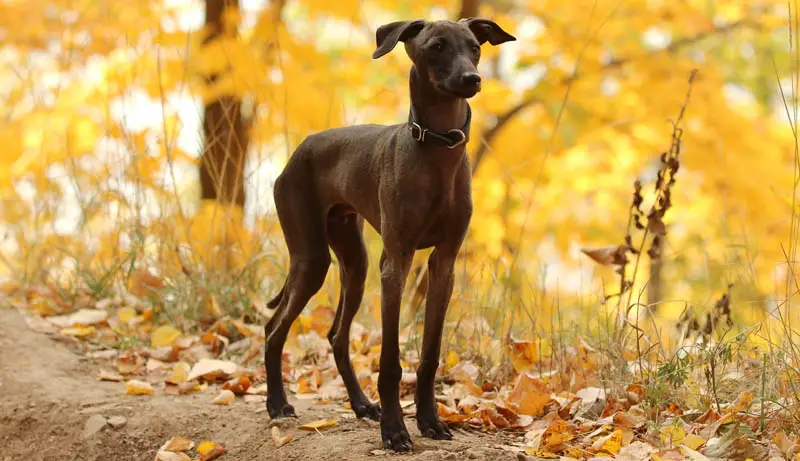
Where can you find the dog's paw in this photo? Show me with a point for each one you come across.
(367, 410)
(432, 428)
(280, 410)
(398, 441)
(394, 434)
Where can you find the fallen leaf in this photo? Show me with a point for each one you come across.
(164, 336)
(523, 354)
(177, 443)
(87, 317)
(319, 424)
(210, 450)
(155, 365)
(80, 332)
(214, 453)
(693, 441)
(225, 397)
(529, 395)
(126, 314)
(136, 387)
(170, 456)
(741, 403)
(211, 369)
(180, 373)
(280, 440)
(238, 386)
(452, 360)
(636, 451)
(205, 446)
(104, 375)
(610, 443)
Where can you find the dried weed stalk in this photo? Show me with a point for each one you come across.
(649, 224)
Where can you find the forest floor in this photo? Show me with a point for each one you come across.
(51, 401)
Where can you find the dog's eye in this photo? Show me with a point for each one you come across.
(437, 46)
(476, 49)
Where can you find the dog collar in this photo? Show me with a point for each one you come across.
(451, 139)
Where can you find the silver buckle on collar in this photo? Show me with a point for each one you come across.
(461, 141)
(419, 137)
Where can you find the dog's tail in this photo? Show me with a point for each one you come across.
(276, 301)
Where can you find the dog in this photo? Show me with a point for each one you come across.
(412, 183)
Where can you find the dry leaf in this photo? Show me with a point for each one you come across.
(607, 256)
(80, 332)
(225, 397)
(177, 443)
(87, 317)
(205, 447)
(136, 387)
(104, 375)
(210, 369)
(319, 424)
(452, 360)
(741, 403)
(610, 443)
(164, 336)
(210, 450)
(523, 354)
(126, 314)
(278, 438)
(238, 386)
(180, 373)
(171, 456)
(693, 441)
(529, 395)
(214, 453)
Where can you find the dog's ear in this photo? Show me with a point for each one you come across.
(486, 30)
(387, 35)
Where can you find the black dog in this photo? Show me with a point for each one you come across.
(412, 183)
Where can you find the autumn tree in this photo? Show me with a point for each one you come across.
(223, 158)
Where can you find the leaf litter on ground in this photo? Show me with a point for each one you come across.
(551, 410)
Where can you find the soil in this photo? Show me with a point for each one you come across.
(48, 394)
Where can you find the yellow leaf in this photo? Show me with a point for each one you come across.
(672, 435)
(741, 403)
(693, 441)
(452, 360)
(611, 443)
(180, 373)
(206, 446)
(136, 387)
(164, 336)
(80, 332)
(530, 451)
(126, 314)
(319, 424)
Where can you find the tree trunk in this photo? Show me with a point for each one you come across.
(469, 9)
(225, 132)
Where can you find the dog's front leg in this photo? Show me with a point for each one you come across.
(440, 288)
(394, 270)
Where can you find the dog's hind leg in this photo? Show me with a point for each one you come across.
(346, 240)
(303, 223)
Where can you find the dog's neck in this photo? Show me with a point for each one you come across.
(433, 109)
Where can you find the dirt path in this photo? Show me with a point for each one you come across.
(48, 393)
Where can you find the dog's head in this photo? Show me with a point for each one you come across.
(444, 52)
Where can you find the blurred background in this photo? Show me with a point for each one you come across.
(140, 141)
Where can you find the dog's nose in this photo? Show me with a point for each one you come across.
(470, 79)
